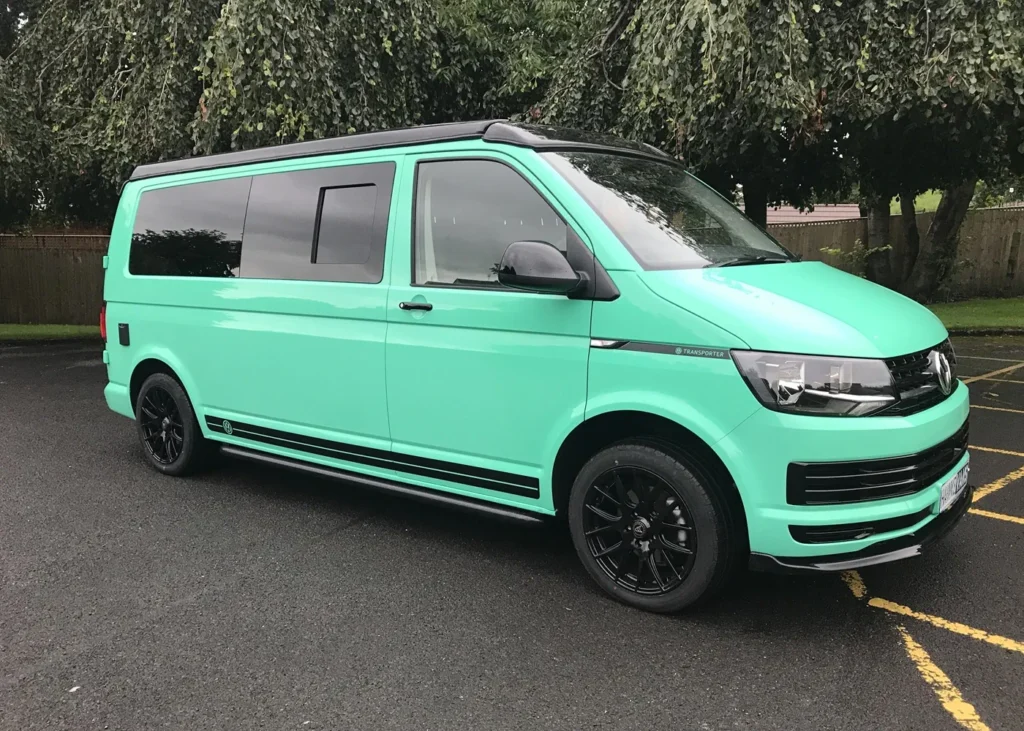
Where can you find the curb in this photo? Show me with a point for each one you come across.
(985, 330)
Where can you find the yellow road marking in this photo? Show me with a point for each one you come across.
(961, 629)
(998, 484)
(954, 703)
(1000, 380)
(997, 451)
(1001, 371)
(997, 516)
(996, 408)
(856, 584)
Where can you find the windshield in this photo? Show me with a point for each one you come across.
(665, 217)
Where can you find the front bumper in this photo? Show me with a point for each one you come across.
(884, 551)
(759, 451)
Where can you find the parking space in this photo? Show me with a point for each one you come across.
(248, 598)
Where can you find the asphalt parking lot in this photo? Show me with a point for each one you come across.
(248, 598)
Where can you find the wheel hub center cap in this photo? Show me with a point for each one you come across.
(640, 527)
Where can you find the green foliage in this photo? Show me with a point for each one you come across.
(998, 191)
(855, 260)
(796, 100)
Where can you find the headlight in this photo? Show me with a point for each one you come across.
(810, 384)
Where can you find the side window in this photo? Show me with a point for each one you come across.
(190, 230)
(467, 213)
(327, 224)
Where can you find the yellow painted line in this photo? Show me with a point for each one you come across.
(1000, 380)
(997, 451)
(997, 408)
(961, 629)
(856, 584)
(997, 516)
(961, 711)
(998, 484)
(1001, 371)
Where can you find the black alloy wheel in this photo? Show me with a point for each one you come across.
(168, 430)
(654, 526)
(163, 431)
(639, 531)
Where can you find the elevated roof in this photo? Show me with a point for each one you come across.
(536, 137)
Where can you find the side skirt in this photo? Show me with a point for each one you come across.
(395, 488)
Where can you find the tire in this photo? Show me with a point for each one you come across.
(675, 545)
(168, 430)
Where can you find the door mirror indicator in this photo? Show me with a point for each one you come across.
(537, 266)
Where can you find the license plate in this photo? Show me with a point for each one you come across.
(953, 488)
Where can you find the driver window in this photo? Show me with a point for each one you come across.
(467, 213)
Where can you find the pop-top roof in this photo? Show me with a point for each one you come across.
(538, 137)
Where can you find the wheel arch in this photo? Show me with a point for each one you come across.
(160, 362)
(602, 430)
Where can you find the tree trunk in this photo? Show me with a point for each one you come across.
(878, 265)
(938, 247)
(911, 236)
(755, 201)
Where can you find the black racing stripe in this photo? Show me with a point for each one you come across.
(433, 464)
(488, 479)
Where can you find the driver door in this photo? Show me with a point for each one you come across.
(482, 380)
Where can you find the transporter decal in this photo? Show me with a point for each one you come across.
(690, 351)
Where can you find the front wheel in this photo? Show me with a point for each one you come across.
(170, 435)
(651, 527)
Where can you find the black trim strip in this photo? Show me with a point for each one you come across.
(487, 479)
(855, 531)
(690, 351)
(395, 488)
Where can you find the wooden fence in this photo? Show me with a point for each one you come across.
(59, 279)
(51, 279)
(989, 261)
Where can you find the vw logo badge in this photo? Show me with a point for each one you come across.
(942, 371)
(227, 427)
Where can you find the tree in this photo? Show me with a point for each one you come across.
(730, 88)
(923, 96)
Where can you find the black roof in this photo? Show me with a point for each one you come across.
(537, 137)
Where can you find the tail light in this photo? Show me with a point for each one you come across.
(103, 322)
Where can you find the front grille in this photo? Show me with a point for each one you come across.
(917, 385)
(855, 531)
(831, 483)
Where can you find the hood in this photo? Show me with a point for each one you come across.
(802, 307)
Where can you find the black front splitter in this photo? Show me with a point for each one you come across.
(894, 549)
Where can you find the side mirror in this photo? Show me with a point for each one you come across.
(537, 266)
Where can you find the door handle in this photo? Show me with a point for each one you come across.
(425, 306)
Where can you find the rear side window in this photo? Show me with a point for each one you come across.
(190, 230)
(326, 224)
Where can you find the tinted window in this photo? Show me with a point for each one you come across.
(345, 231)
(344, 210)
(467, 213)
(666, 217)
(190, 230)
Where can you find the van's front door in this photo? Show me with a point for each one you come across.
(481, 379)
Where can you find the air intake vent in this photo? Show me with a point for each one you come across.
(832, 483)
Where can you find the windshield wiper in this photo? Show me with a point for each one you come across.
(740, 261)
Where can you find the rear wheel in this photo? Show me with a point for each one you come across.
(168, 430)
(652, 527)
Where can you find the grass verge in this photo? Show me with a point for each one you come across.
(985, 314)
(48, 332)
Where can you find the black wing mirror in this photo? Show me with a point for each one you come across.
(537, 266)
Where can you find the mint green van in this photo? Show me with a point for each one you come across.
(528, 322)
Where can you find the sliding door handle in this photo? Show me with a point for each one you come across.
(425, 306)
